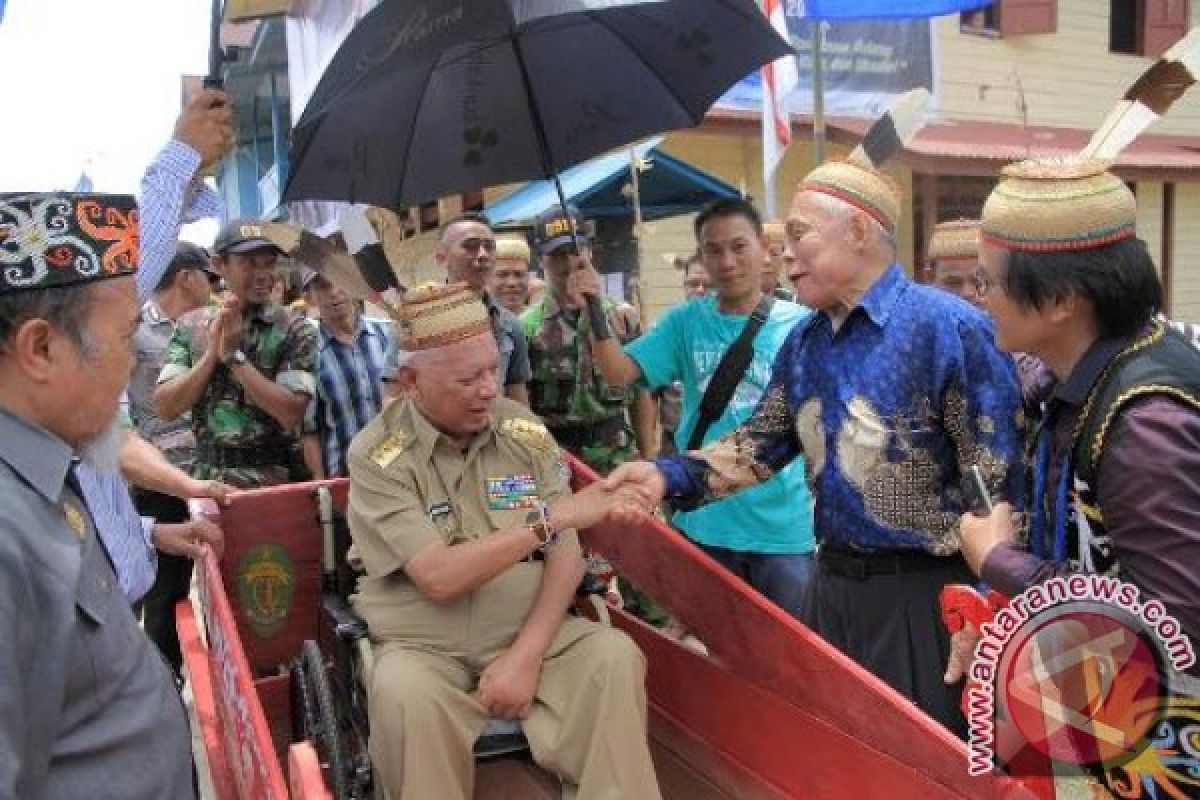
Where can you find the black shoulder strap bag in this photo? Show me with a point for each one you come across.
(729, 373)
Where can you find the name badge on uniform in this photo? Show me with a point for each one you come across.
(442, 516)
(438, 512)
(512, 493)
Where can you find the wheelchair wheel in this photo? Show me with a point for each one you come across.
(321, 722)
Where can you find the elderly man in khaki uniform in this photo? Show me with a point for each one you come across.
(461, 513)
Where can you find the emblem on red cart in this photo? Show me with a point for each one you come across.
(266, 583)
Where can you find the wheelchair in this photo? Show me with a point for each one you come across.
(331, 677)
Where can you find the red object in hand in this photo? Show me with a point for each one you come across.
(962, 604)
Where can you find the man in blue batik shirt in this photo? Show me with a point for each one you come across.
(891, 392)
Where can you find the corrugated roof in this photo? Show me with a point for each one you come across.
(986, 146)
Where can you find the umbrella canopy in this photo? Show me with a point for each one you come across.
(430, 97)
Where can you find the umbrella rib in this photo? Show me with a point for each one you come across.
(434, 64)
(649, 68)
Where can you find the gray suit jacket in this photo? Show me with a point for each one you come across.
(87, 706)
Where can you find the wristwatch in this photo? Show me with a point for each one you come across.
(539, 523)
(235, 359)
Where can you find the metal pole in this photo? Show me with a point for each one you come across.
(539, 127)
(213, 79)
(818, 73)
(769, 195)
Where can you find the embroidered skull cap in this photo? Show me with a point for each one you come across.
(51, 240)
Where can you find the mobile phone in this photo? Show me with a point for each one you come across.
(979, 499)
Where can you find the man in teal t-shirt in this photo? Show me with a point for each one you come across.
(765, 534)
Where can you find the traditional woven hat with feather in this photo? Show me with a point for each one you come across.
(858, 180)
(1075, 203)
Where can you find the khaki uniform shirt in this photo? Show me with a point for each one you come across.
(411, 486)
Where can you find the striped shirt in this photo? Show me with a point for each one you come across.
(128, 538)
(349, 388)
(171, 195)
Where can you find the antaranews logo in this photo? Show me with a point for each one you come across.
(1076, 669)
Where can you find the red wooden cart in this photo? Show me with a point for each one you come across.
(774, 712)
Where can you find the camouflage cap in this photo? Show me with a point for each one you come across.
(50, 240)
(435, 316)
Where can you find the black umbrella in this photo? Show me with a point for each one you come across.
(427, 98)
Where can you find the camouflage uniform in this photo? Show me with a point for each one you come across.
(586, 416)
(283, 347)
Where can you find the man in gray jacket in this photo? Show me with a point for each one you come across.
(87, 707)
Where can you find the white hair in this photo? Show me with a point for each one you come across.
(840, 210)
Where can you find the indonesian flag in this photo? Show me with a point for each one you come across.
(779, 79)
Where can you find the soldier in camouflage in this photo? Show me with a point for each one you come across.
(586, 416)
(245, 370)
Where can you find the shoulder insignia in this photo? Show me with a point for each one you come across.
(528, 433)
(384, 452)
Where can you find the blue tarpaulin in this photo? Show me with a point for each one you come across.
(885, 9)
(599, 188)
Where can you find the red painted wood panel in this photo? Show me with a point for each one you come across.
(830, 697)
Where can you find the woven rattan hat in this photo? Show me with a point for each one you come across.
(435, 316)
(1045, 204)
(775, 231)
(956, 240)
(863, 187)
(511, 247)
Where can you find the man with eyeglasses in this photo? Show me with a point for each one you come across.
(466, 249)
(1116, 467)
(245, 370)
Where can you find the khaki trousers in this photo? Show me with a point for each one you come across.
(588, 723)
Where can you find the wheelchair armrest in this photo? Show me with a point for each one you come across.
(348, 625)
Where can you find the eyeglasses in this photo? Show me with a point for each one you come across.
(983, 282)
(473, 244)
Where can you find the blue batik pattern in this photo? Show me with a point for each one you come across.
(890, 411)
